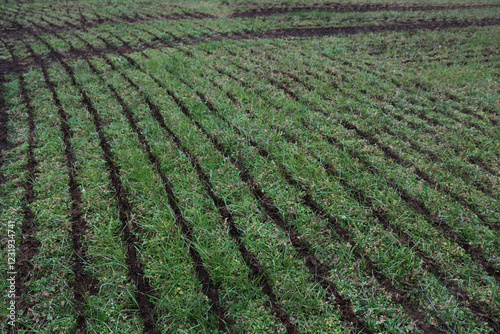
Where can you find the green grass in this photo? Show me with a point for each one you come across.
(177, 123)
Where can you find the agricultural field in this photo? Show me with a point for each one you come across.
(249, 167)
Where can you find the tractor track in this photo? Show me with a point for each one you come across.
(29, 245)
(269, 9)
(22, 65)
(4, 126)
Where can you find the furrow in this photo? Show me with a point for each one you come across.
(344, 8)
(4, 122)
(29, 246)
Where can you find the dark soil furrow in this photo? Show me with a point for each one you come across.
(21, 66)
(318, 270)
(345, 8)
(258, 272)
(210, 288)
(476, 160)
(84, 283)
(136, 272)
(4, 121)
(29, 246)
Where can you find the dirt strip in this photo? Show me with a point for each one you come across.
(269, 10)
(22, 65)
(4, 121)
(29, 246)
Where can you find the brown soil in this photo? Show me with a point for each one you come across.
(268, 10)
